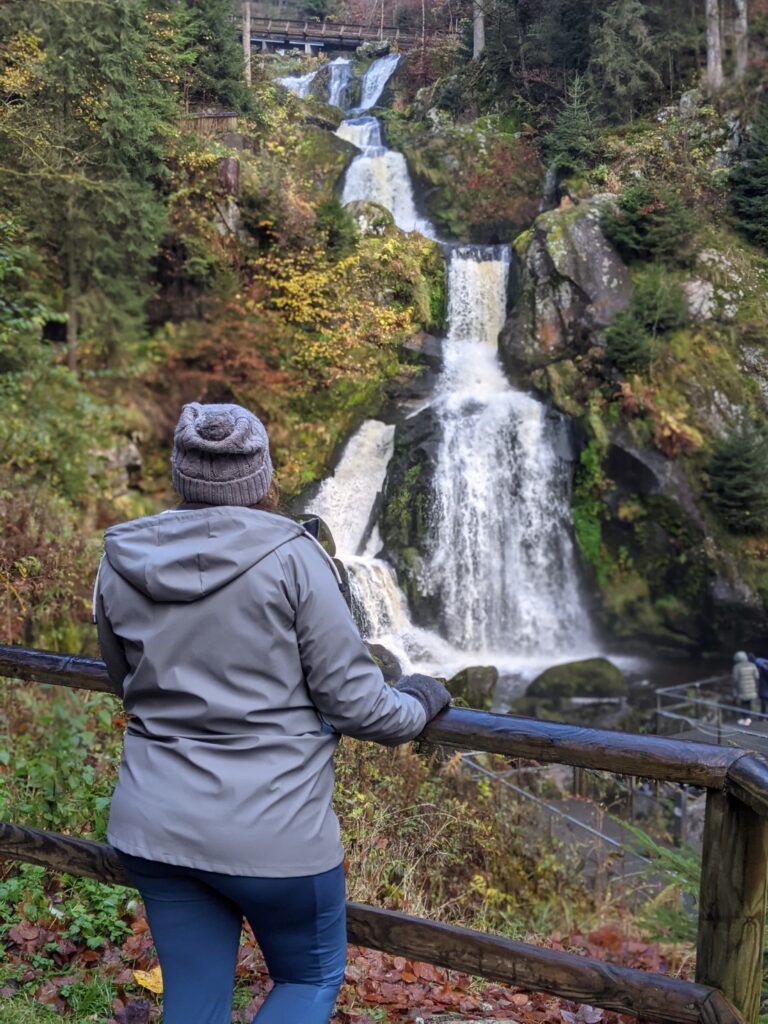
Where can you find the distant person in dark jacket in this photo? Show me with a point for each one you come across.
(761, 664)
(226, 635)
(744, 676)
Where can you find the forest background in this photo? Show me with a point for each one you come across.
(124, 292)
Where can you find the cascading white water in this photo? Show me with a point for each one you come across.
(501, 560)
(341, 76)
(347, 503)
(375, 79)
(380, 175)
(298, 84)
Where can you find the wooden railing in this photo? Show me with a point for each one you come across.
(733, 881)
(324, 31)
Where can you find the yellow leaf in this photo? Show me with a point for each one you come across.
(153, 980)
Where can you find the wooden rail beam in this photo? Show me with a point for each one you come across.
(655, 757)
(655, 997)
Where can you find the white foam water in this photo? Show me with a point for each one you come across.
(298, 84)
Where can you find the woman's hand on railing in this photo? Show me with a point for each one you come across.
(431, 694)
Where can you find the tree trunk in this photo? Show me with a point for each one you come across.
(478, 19)
(72, 290)
(714, 46)
(246, 10)
(741, 38)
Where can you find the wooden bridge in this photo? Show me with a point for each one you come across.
(734, 877)
(312, 36)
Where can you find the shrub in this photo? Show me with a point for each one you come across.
(651, 223)
(738, 478)
(658, 302)
(628, 345)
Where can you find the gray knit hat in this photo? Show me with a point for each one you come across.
(220, 455)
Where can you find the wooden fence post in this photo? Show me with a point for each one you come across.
(729, 952)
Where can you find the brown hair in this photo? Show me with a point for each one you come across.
(271, 500)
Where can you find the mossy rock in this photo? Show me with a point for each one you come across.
(371, 218)
(591, 677)
(475, 686)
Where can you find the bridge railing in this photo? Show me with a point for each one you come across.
(733, 879)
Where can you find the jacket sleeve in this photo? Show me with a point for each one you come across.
(112, 650)
(344, 682)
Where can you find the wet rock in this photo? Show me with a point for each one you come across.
(229, 175)
(572, 283)
(591, 677)
(371, 219)
(408, 495)
(737, 614)
(373, 48)
(475, 685)
(388, 662)
(425, 348)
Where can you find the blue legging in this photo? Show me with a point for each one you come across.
(196, 919)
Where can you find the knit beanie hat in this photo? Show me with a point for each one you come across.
(220, 455)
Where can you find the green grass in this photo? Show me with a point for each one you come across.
(24, 1011)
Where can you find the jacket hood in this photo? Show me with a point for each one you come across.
(740, 656)
(185, 555)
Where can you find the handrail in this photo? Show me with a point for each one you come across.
(733, 887)
(652, 757)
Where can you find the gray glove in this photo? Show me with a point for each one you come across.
(432, 696)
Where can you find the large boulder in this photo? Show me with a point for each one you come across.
(371, 218)
(572, 282)
(591, 692)
(475, 686)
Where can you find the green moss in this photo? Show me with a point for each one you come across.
(592, 677)
(588, 510)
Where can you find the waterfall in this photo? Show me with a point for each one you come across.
(298, 84)
(341, 76)
(375, 78)
(380, 175)
(501, 560)
(347, 502)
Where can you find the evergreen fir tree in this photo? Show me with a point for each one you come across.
(738, 478)
(622, 63)
(627, 344)
(658, 301)
(651, 223)
(207, 46)
(571, 144)
(82, 151)
(749, 184)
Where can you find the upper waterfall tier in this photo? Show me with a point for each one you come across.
(298, 84)
(380, 175)
(372, 84)
(375, 79)
(338, 86)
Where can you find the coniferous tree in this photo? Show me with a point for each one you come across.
(571, 143)
(738, 479)
(81, 147)
(208, 49)
(623, 63)
(627, 344)
(651, 222)
(749, 184)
